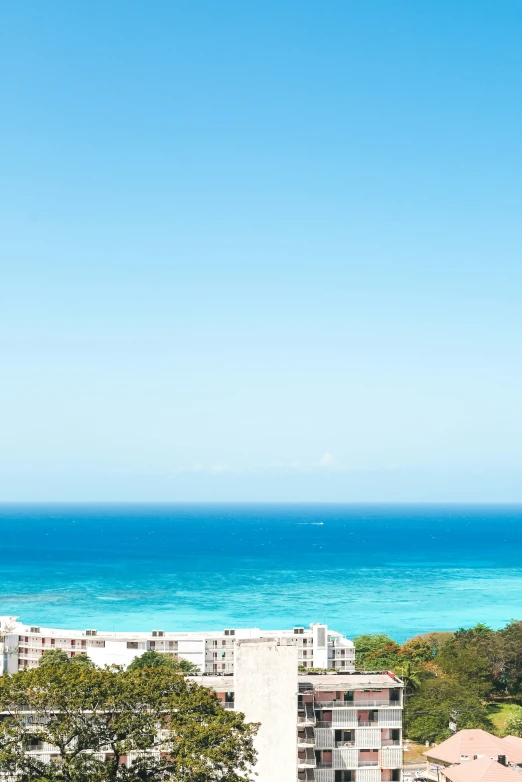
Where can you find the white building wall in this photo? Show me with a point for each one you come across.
(344, 718)
(265, 686)
(368, 775)
(320, 645)
(368, 738)
(324, 738)
(345, 758)
(389, 718)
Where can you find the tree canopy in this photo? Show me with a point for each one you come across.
(449, 677)
(111, 725)
(153, 659)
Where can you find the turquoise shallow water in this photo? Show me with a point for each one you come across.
(361, 568)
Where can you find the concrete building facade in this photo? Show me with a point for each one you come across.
(346, 727)
(340, 726)
(212, 652)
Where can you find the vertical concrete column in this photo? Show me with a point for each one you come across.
(320, 645)
(265, 686)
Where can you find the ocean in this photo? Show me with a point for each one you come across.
(398, 569)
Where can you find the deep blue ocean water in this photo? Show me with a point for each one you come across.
(400, 569)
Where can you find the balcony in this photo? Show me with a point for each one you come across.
(306, 741)
(324, 723)
(308, 761)
(391, 743)
(325, 764)
(367, 763)
(367, 724)
(341, 704)
(373, 703)
(344, 744)
(227, 704)
(307, 721)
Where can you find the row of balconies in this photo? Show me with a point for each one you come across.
(341, 760)
(356, 704)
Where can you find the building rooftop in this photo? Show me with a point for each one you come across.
(467, 743)
(11, 623)
(354, 681)
(218, 683)
(481, 770)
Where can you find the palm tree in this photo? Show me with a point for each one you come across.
(411, 678)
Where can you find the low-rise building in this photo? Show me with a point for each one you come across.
(480, 770)
(212, 652)
(469, 745)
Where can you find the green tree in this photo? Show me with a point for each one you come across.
(513, 726)
(468, 657)
(153, 659)
(439, 701)
(95, 718)
(411, 676)
(509, 673)
(53, 657)
(417, 650)
(59, 657)
(375, 652)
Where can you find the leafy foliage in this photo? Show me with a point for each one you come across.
(438, 702)
(513, 726)
(153, 659)
(97, 719)
(449, 677)
(58, 657)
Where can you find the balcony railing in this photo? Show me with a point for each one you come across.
(306, 741)
(341, 704)
(306, 721)
(324, 764)
(324, 724)
(307, 762)
(364, 763)
(341, 744)
(391, 743)
(367, 724)
(227, 704)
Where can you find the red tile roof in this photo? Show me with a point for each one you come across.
(473, 741)
(481, 770)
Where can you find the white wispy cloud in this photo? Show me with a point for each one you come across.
(327, 460)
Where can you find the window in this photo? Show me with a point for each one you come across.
(132, 644)
(343, 776)
(348, 696)
(53, 641)
(73, 643)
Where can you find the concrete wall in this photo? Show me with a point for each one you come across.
(265, 685)
(320, 642)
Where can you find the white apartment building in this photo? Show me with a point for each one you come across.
(344, 727)
(334, 727)
(213, 652)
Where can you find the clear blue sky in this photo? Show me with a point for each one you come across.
(261, 250)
